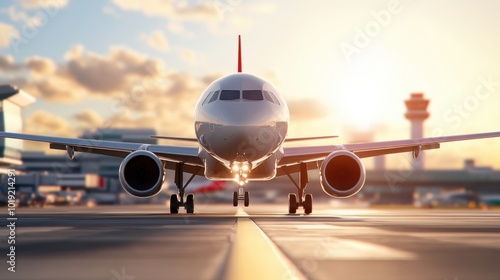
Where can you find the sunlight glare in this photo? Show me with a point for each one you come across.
(363, 89)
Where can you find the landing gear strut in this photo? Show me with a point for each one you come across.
(241, 194)
(304, 201)
(177, 200)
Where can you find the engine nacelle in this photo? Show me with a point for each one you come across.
(141, 174)
(342, 174)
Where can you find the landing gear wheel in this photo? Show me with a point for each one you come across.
(308, 203)
(174, 204)
(247, 199)
(235, 199)
(292, 203)
(190, 203)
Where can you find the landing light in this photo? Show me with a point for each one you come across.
(245, 166)
(240, 171)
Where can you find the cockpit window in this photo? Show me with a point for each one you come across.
(274, 97)
(229, 95)
(206, 98)
(214, 97)
(268, 97)
(252, 95)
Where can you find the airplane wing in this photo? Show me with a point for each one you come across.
(168, 154)
(313, 155)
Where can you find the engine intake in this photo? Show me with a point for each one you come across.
(141, 174)
(342, 174)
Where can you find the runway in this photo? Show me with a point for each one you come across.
(259, 242)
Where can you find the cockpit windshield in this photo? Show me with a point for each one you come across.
(268, 97)
(229, 95)
(214, 97)
(252, 95)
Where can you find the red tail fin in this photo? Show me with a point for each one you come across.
(239, 54)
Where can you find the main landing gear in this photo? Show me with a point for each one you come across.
(305, 201)
(177, 200)
(241, 194)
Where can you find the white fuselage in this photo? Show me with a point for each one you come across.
(241, 119)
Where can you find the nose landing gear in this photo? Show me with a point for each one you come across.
(241, 170)
(241, 194)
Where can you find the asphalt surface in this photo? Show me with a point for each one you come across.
(259, 242)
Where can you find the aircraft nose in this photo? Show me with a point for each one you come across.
(243, 142)
(245, 116)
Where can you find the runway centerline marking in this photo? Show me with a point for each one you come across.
(241, 213)
(255, 256)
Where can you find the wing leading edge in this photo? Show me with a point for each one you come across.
(295, 155)
(168, 154)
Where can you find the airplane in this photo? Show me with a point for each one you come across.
(241, 124)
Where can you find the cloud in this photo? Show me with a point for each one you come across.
(22, 16)
(53, 89)
(45, 80)
(156, 40)
(36, 4)
(46, 123)
(84, 73)
(109, 75)
(7, 34)
(40, 65)
(173, 10)
(88, 119)
(7, 64)
(307, 110)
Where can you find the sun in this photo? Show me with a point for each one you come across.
(361, 92)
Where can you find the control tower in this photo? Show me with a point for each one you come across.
(417, 113)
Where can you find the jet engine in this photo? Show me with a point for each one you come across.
(342, 174)
(141, 174)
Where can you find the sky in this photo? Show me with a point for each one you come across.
(344, 67)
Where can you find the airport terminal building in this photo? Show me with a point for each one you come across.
(12, 101)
